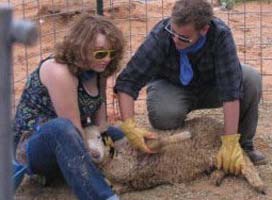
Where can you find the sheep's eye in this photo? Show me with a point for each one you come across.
(99, 137)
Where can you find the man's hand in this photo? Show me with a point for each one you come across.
(136, 135)
(230, 156)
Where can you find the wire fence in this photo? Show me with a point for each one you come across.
(250, 22)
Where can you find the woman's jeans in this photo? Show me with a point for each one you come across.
(56, 146)
(169, 104)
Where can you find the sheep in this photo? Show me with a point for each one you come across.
(94, 143)
(214, 2)
(182, 157)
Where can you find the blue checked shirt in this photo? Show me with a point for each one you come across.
(215, 65)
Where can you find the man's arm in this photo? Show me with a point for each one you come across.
(231, 117)
(229, 82)
(143, 66)
(230, 156)
(134, 134)
(126, 103)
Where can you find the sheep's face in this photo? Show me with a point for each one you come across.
(95, 143)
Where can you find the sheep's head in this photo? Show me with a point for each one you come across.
(95, 143)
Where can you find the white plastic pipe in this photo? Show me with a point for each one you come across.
(23, 32)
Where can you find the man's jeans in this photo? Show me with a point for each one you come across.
(169, 104)
(57, 146)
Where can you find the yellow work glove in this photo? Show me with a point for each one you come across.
(230, 156)
(136, 135)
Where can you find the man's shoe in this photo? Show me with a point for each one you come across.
(256, 157)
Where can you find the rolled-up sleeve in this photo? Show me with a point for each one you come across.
(228, 70)
(144, 65)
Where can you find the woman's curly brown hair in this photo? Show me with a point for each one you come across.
(197, 12)
(78, 44)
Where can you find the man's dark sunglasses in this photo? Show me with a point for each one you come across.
(174, 34)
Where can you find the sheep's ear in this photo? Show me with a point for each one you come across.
(96, 129)
(91, 130)
(103, 128)
(87, 130)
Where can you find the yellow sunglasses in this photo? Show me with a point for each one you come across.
(101, 54)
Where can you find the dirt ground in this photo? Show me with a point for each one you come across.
(251, 25)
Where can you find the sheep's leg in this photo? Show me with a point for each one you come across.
(121, 188)
(252, 176)
(249, 172)
(217, 177)
(158, 144)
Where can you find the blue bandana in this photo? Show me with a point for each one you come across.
(186, 71)
(86, 75)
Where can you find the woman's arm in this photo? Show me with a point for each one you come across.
(62, 88)
(101, 114)
(101, 117)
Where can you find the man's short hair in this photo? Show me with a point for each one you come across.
(197, 12)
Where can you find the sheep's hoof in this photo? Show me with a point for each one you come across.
(252, 176)
(120, 188)
(217, 177)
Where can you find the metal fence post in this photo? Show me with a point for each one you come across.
(23, 32)
(99, 7)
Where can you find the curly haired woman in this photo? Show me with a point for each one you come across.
(65, 93)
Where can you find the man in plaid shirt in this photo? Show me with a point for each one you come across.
(190, 62)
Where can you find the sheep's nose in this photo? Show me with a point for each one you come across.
(95, 154)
